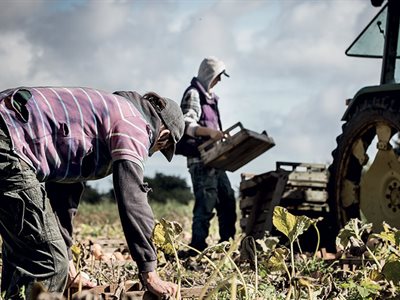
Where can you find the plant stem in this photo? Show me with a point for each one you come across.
(208, 260)
(292, 260)
(178, 265)
(217, 270)
(233, 288)
(374, 258)
(240, 274)
(220, 285)
(255, 264)
(289, 294)
(318, 241)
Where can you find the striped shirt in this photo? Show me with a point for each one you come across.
(74, 134)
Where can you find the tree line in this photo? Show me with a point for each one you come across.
(163, 188)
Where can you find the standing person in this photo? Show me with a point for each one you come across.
(212, 189)
(67, 136)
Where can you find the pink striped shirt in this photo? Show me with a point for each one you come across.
(74, 134)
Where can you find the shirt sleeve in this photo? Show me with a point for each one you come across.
(129, 140)
(135, 212)
(191, 110)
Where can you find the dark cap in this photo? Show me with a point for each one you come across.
(171, 115)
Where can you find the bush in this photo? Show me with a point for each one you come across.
(92, 196)
(166, 187)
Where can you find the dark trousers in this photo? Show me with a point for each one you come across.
(64, 199)
(212, 190)
(33, 249)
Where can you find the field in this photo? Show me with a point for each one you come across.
(368, 266)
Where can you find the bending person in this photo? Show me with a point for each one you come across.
(68, 136)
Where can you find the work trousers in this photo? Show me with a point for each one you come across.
(33, 249)
(212, 190)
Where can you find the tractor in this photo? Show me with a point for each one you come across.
(363, 180)
(364, 177)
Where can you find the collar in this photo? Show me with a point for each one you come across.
(211, 98)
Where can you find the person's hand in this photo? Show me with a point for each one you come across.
(162, 289)
(75, 280)
(216, 134)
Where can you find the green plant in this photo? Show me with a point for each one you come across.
(272, 271)
(292, 227)
(351, 236)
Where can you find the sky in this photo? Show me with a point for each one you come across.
(289, 74)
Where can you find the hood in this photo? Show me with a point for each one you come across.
(209, 69)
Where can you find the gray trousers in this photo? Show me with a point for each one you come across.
(33, 249)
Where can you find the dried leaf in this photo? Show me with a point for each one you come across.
(164, 235)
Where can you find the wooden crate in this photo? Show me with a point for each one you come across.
(306, 189)
(236, 150)
(259, 194)
(306, 194)
(299, 187)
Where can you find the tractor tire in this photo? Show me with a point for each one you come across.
(362, 185)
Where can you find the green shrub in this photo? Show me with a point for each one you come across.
(166, 187)
(92, 196)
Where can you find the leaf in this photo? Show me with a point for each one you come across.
(277, 260)
(172, 228)
(349, 284)
(368, 287)
(363, 292)
(397, 238)
(375, 275)
(165, 234)
(76, 251)
(220, 247)
(353, 230)
(158, 235)
(160, 240)
(387, 237)
(284, 221)
(268, 243)
(290, 225)
(371, 285)
(391, 271)
(305, 282)
(389, 234)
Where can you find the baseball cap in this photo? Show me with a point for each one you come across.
(171, 115)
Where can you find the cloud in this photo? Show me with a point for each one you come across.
(289, 74)
(18, 54)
